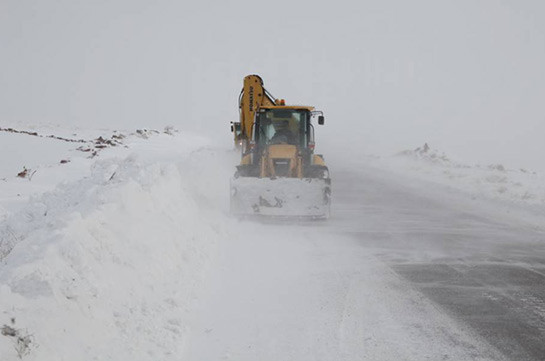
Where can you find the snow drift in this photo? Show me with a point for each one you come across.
(493, 181)
(108, 267)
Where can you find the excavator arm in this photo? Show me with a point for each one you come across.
(252, 97)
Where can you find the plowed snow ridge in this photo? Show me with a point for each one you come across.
(110, 265)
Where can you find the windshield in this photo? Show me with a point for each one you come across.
(282, 126)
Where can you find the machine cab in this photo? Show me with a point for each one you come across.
(284, 125)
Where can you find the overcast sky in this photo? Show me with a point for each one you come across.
(467, 76)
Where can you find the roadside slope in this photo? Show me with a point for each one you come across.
(109, 266)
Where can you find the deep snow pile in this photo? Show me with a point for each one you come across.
(492, 181)
(108, 266)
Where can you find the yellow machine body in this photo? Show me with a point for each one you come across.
(279, 174)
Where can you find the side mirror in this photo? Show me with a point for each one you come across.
(321, 120)
(232, 128)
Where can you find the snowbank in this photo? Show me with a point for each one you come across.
(492, 181)
(107, 267)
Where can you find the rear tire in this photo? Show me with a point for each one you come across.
(317, 171)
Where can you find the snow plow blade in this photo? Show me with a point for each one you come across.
(281, 197)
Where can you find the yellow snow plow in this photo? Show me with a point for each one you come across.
(279, 175)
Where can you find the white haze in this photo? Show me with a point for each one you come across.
(465, 76)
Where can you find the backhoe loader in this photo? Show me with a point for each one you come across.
(279, 175)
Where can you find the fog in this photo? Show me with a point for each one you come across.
(131, 243)
(465, 76)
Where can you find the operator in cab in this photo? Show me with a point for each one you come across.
(283, 133)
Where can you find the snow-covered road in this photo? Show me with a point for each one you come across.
(311, 294)
(137, 257)
(403, 270)
(483, 263)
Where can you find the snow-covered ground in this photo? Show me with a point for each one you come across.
(514, 193)
(106, 253)
(131, 254)
(493, 181)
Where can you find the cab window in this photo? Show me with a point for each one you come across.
(282, 126)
